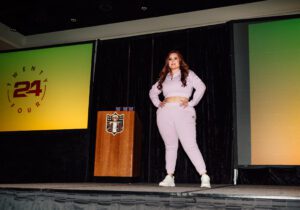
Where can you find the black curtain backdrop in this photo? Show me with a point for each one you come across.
(126, 70)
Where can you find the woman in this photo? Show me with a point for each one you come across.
(176, 116)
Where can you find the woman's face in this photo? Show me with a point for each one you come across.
(173, 61)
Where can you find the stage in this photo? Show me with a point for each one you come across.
(146, 196)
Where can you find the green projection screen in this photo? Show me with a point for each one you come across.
(45, 88)
(267, 68)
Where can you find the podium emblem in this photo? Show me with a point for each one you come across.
(114, 123)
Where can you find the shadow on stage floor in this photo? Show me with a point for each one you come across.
(146, 196)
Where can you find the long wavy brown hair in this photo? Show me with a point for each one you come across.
(183, 66)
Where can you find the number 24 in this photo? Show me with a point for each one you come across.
(25, 87)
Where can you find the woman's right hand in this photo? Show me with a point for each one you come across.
(162, 104)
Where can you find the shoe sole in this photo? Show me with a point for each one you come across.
(206, 186)
(161, 185)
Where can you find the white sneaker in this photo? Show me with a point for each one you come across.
(167, 182)
(205, 181)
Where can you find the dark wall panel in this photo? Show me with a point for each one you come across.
(43, 157)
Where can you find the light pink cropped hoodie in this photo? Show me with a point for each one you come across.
(173, 87)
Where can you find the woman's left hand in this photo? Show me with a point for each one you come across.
(184, 103)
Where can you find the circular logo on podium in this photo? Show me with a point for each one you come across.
(27, 89)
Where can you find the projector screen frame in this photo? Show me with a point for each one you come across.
(236, 106)
(91, 106)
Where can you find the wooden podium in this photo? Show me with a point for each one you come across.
(118, 144)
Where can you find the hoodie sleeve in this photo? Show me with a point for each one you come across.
(154, 93)
(199, 87)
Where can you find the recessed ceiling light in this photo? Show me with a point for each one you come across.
(73, 20)
(144, 8)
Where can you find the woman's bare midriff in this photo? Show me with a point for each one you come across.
(175, 99)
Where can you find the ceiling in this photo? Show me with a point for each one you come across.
(35, 17)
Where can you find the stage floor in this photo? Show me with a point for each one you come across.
(254, 191)
(185, 196)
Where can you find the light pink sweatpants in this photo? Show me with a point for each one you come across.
(175, 122)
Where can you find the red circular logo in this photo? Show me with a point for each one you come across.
(27, 89)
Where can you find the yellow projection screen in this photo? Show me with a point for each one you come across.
(267, 68)
(45, 88)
